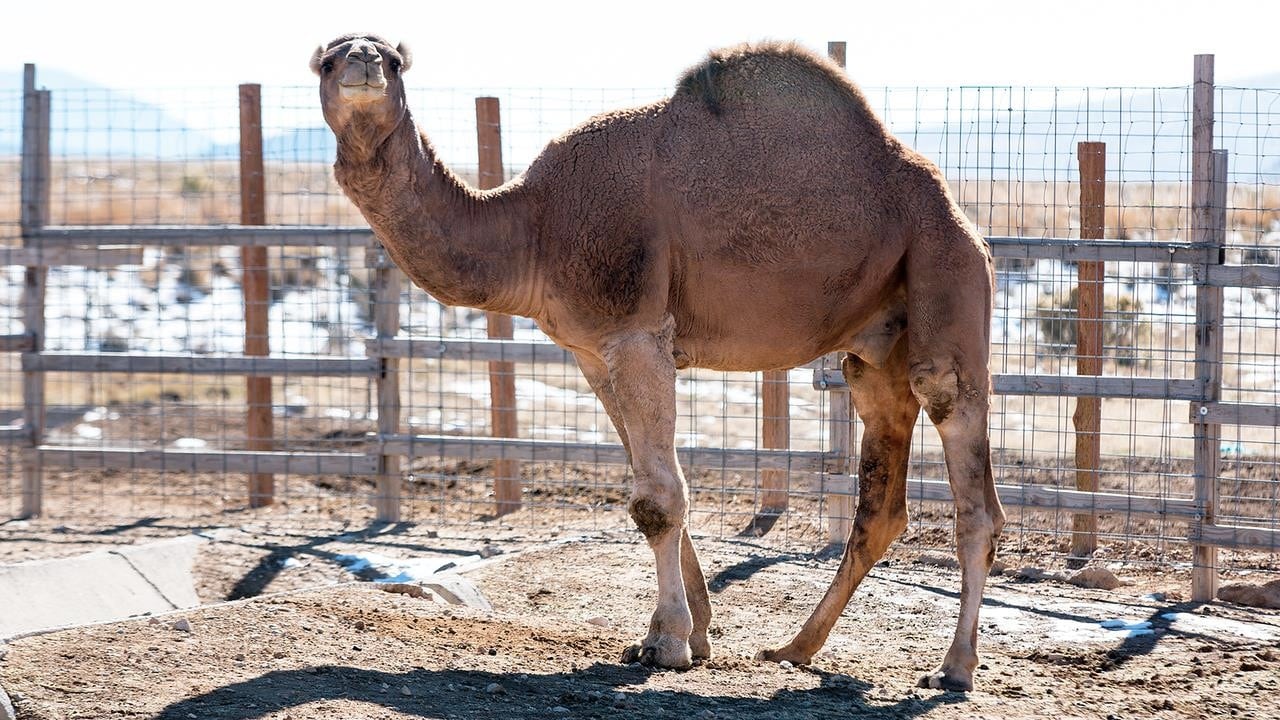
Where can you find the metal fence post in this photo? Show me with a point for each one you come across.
(34, 214)
(841, 421)
(502, 374)
(256, 286)
(1208, 364)
(1090, 309)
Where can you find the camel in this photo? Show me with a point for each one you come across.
(758, 218)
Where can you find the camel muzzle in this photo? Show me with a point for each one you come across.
(362, 80)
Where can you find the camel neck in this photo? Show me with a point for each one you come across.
(464, 246)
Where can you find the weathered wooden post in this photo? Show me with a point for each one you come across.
(502, 374)
(841, 428)
(1090, 308)
(256, 286)
(1208, 227)
(34, 214)
(387, 281)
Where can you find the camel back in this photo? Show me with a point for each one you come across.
(774, 73)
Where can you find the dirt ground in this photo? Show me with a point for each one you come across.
(353, 651)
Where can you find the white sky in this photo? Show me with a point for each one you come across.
(142, 45)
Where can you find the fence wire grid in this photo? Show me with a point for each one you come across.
(1010, 153)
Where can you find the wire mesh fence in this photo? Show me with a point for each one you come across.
(1010, 153)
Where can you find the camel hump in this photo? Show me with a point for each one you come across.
(773, 73)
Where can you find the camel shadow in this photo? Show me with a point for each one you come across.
(600, 690)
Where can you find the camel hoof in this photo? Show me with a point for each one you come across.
(700, 647)
(668, 655)
(942, 680)
(777, 656)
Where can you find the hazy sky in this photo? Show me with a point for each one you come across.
(645, 43)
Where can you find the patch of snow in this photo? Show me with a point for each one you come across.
(399, 570)
(1204, 624)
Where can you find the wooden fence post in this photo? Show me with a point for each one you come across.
(840, 506)
(386, 323)
(502, 375)
(256, 286)
(35, 175)
(1207, 436)
(1090, 308)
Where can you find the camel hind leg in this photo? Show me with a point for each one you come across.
(948, 326)
(883, 399)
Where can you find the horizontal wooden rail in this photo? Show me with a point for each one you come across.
(241, 461)
(52, 236)
(1063, 385)
(105, 256)
(1075, 249)
(10, 434)
(1237, 536)
(1036, 497)
(1216, 413)
(528, 450)
(198, 364)
(1242, 275)
(20, 342)
(479, 350)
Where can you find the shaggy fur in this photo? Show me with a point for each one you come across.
(758, 218)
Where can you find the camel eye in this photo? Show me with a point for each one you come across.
(395, 65)
(326, 66)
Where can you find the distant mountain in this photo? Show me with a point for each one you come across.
(91, 120)
(309, 144)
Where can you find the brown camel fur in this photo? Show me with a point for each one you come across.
(757, 219)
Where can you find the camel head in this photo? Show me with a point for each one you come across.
(361, 91)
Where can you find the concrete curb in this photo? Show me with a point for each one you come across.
(99, 586)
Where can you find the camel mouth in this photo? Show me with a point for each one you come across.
(366, 92)
(362, 81)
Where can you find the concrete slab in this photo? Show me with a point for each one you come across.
(98, 586)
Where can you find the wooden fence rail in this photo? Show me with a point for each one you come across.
(782, 470)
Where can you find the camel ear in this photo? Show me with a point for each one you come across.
(406, 56)
(315, 59)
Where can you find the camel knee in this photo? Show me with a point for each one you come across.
(657, 511)
(937, 387)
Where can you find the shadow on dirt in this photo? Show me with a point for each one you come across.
(591, 692)
(253, 582)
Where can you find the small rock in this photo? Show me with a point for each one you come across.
(998, 567)
(560, 710)
(183, 625)
(404, 690)
(238, 657)
(279, 654)
(599, 621)
(153, 621)
(495, 689)
(489, 551)
(1262, 596)
(619, 699)
(1096, 578)
(410, 589)
(786, 665)
(707, 715)
(359, 624)
(938, 560)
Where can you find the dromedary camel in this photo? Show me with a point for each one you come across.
(758, 218)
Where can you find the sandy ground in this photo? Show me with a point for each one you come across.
(352, 651)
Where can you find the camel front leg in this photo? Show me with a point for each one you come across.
(695, 584)
(642, 374)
